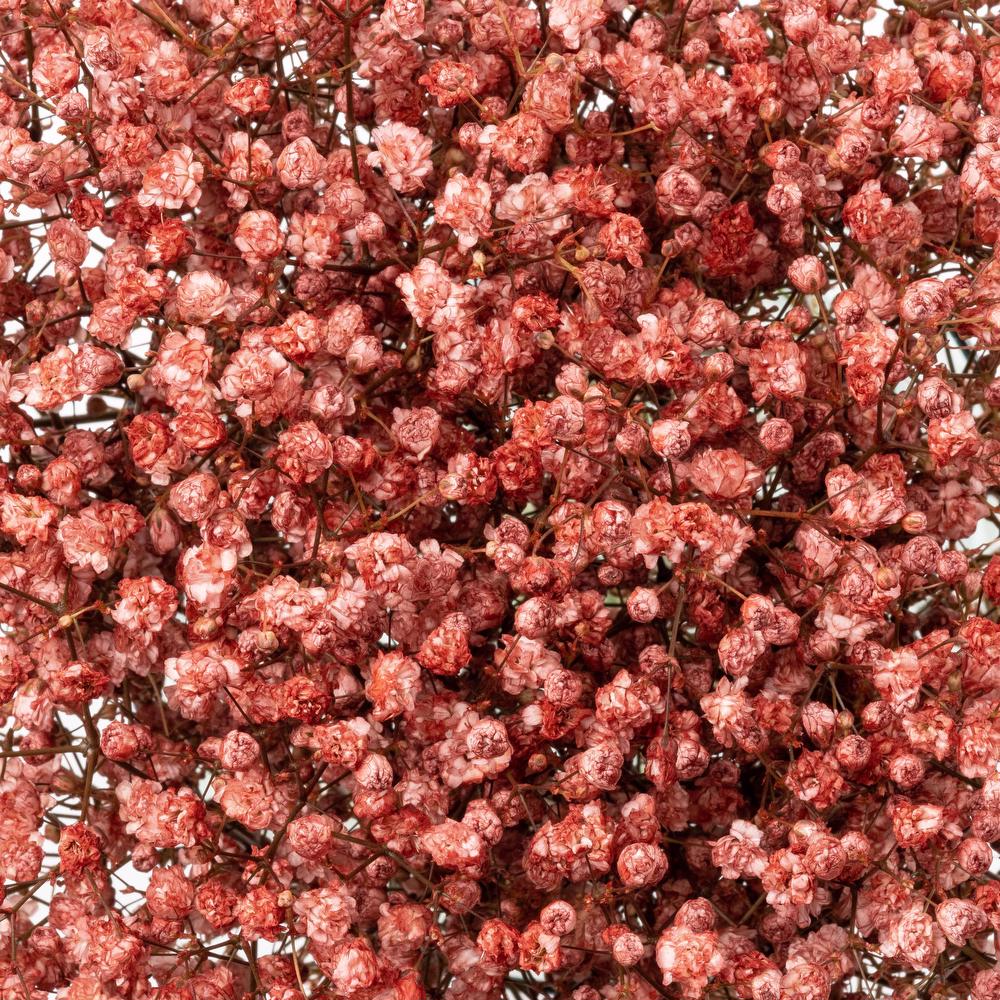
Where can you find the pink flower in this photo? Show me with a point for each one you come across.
(920, 133)
(688, 957)
(201, 296)
(146, 604)
(172, 181)
(403, 155)
(405, 17)
(304, 452)
(352, 965)
(299, 165)
(91, 538)
(258, 236)
(572, 20)
(465, 206)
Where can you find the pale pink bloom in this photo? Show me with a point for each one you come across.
(145, 604)
(688, 957)
(571, 848)
(953, 437)
(537, 200)
(201, 296)
(724, 474)
(258, 236)
(465, 206)
(170, 894)
(898, 676)
(925, 302)
(669, 438)
(960, 920)
(246, 163)
(573, 20)
(403, 155)
(393, 686)
(417, 430)
(728, 710)
(313, 238)
(327, 912)
(432, 299)
(205, 573)
(304, 452)
(197, 677)
(895, 75)
(641, 865)
(68, 244)
(405, 17)
(914, 938)
(92, 538)
(739, 854)
(27, 518)
(172, 181)
(454, 846)
(300, 165)
(351, 965)
(920, 133)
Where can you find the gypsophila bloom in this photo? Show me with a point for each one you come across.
(172, 181)
(498, 500)
(403, 154)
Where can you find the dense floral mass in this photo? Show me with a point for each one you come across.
(499, 500)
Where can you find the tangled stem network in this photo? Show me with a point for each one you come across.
(499, 500)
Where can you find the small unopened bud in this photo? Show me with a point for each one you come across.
(206, 627)
(267, 641)
(719, 367)
(771, 110)
(845, 723)
(914, 522)
(451, 486)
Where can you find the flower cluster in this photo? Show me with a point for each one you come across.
(498, 500)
